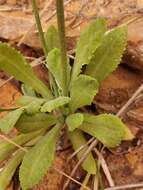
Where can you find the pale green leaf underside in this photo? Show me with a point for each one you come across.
(88, 42)
(28, 123)
(55, 67)
(52, 38)
(77, 139)
(7, 148)
(9, 121)
(83, 90)
(25, 100)
(73, 121)
(54, 104)
(107, 128)
(109, 54)
(38, 160)
(8, 171)
(12, 62)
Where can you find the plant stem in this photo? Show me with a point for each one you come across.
(61, 30)
(39, 27)
(42, 39)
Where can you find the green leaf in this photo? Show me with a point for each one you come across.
(73, 121)
(52, 38)
(55, 67)
(8, 171)
(77, 139)
(38, 160)
(56, 103)
(28, 123)
(107, 128)
(83, 90)
(12, 62)
(25, 100)
(88, 42)
(7, 148)
(28, 90)
(109, 54)
(9, 121)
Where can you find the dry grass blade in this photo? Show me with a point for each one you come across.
(80, 148)
(130, 101)
(123, 187)
(93, 144)
(85, 182)
(95, 183)
(72, 179)
(6, 81)
(12, 142)
(105, 168)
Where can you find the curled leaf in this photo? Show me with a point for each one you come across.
(73, 121)
(52, 38)
(55, 67)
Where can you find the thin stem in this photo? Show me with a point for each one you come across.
(86, 180)
(39, 27)
(61, 29)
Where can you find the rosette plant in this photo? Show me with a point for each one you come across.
(46, 110)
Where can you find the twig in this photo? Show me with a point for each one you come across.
(80, 148)
(9, 79)
(105, 168)
(86, 180)
(95, 183)
(93, 144)
(12, 142)
(129, 186)
(69, 177)
(125, 107)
